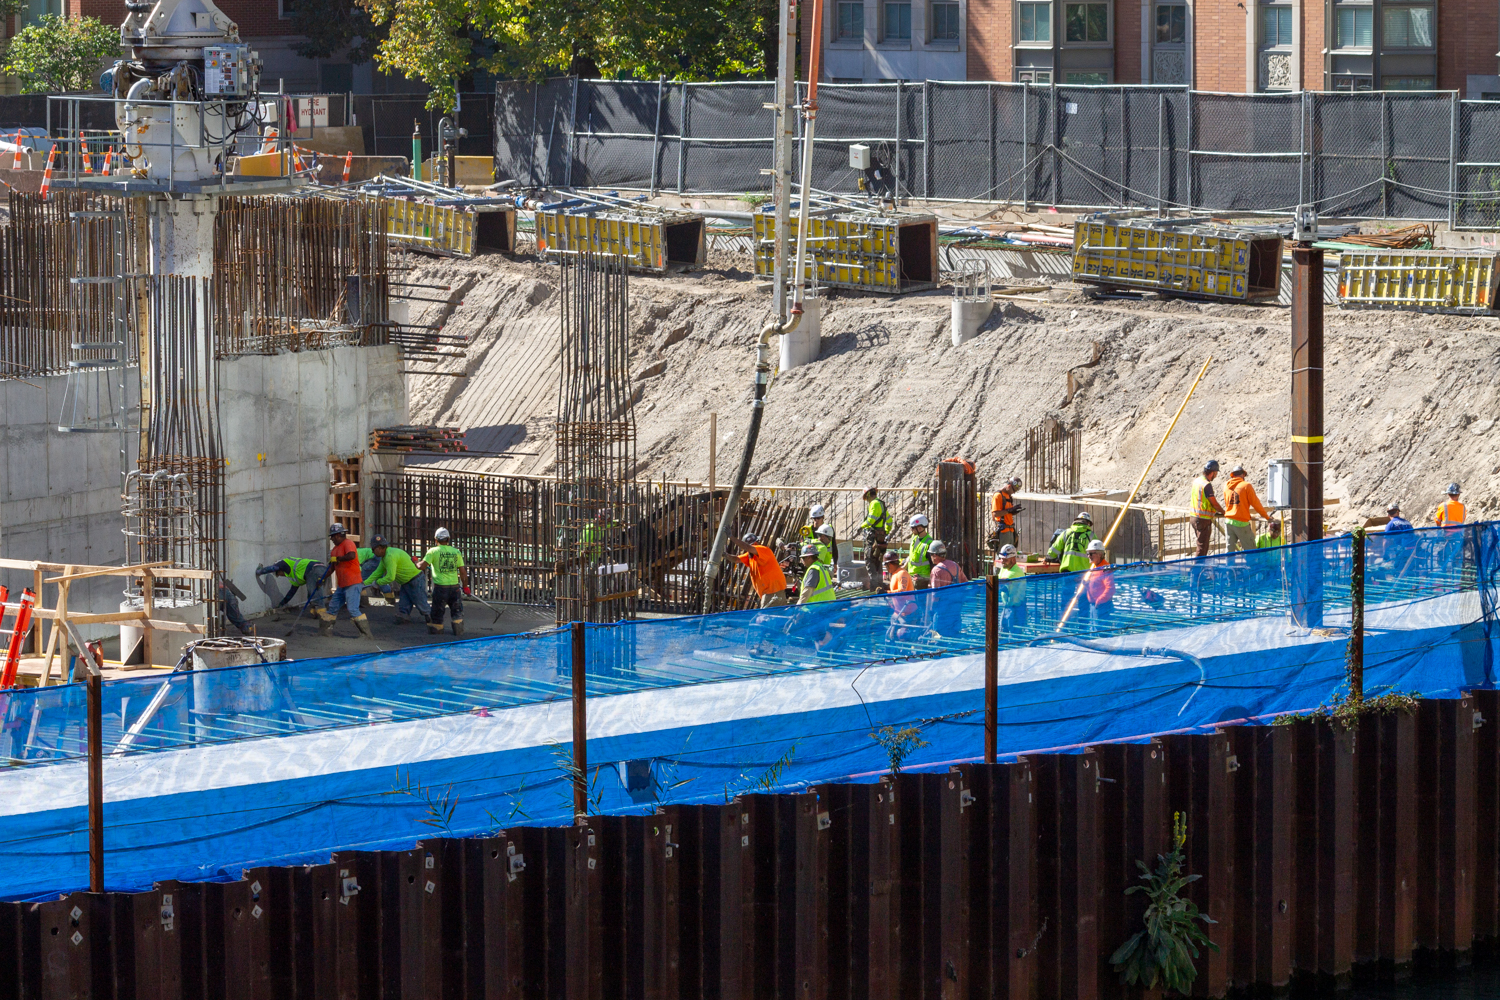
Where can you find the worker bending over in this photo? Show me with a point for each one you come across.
(395, 572)
(918, 559)
(876, 529)
(1099, 586)
(817, 581)
(765, 572)
(1206, 506)
(1068, 549)
(299, 573)
(1004, 513)
(1241, 499)
(347, 584)
(448, 574)
(1270, 538)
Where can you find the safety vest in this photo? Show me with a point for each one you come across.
(918, 562)
(878, 516)
(825, 556)
(823, 589)
(1202, 506)
(1451, 512)
(298, 571)
(1070, 547)
(1012, 594)
(1004, 513)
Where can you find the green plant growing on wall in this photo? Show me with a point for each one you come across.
(438, 806)
(899, 744)
(1162, 954)
(61, 54)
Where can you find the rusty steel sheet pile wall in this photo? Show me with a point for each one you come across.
(1321, 849)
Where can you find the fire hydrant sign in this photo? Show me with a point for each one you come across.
(312, 112)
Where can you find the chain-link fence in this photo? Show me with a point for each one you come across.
(1382, 154)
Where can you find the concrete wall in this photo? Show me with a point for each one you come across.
(59, 493)
(282, 417)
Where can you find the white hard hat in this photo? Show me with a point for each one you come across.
(441, 534)
(1006, 551)
(919, 520)
(938, 547)
(809, 550)
(816, 511)
(1095, 546)
(824, 529)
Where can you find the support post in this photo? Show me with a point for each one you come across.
(93, 657)
(580, 725)
(1356, 665)
(786, 138)
(991, 664)
(1307, 394)
(713, 454)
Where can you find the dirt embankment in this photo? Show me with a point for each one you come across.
(1411, 400)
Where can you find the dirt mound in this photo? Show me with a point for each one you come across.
(1410, 400)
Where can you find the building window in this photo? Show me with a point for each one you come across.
(1036, 22)
(1276, 27)
(1042, 76)
(1405, 28)
(898, 22)
(287, 8)
(1171, 24)
(1085, 78)
(1356, 27)
(1086, 22)
(945, 22)
(851, 20)
(1350, 84)
(1408, 83)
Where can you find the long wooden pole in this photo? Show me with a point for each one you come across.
(1120, 517)
(991, 665)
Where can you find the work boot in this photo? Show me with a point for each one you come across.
(434, 628)
(325, 621)
(458, 626)
(362, 622)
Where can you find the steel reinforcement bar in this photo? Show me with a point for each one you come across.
(1321, 849)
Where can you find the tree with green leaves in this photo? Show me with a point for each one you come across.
(61, 54)
(442, 42)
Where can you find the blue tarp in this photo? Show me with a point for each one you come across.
(286, 762)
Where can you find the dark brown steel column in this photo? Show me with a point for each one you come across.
(1307, 394)
(95, 688)
(991, 664)
(580, 726)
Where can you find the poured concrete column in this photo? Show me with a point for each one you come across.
(182, 235)
(969, 315)
(801, 346)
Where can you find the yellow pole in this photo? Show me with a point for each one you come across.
(1120, 517)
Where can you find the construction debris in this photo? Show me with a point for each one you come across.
(418, 437)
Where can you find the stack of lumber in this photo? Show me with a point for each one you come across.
(417, 437)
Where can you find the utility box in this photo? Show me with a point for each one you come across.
(1279, 483)
(859, 156)
(227, 71)
(1191, 261)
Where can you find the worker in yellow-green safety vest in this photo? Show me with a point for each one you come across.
(1069, 549)
(877, 529)
(1206, 506)
(299, 572)
(918, 561)
(817, 579)
(595, 536)
(823, 541)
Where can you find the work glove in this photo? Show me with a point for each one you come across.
(263, 570)
(1017, 509)
(468, 592)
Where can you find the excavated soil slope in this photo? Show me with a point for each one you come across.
(1411, 400)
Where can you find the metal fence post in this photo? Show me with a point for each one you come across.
(1356, 656)
(1124, 145)
(926, 140)
(536, 90)
(682, 138)
(1385, 157)
(580, 724)
(572, 134)
(989, 96)
(1056, 153)
(1161, 142)
(1025, 148)
(1302, 171)
(897, 169)
(991, 663)
(661, 84)
(1455, 120)
(1192, 204)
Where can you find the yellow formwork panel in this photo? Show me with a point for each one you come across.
(434, 228)
(1456, 280)
(1198, 261)
(848, 251)
(642, 239)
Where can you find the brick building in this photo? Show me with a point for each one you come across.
(1234, 46)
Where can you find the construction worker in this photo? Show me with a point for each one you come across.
(876, 529)
(595, 536)
(817, 582)
(1270, 538)
(898, 581)
(1012, 588)
(817, 516)
(945, 572)
(945, 608)
(1453, 511)
(448, 574)
(1206, 506)
(347, 584)
(1240, 500)
(918, 561)
(1396, 522)
(395, 572)
(1004, 513)
(823, 539)
(1099, 585)
(229, 600)
(765, 572)
(300, 573)
(1068, 549)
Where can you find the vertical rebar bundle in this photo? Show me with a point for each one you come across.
(595, 504)
(1054, 456)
